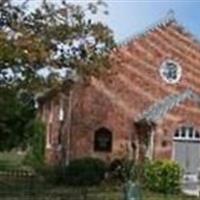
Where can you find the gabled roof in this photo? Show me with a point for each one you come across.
(170, 18)
(160, 109)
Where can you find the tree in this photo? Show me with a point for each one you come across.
(61, 40)
(58, 39)
(17, 119)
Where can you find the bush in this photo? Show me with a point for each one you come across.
(35, 154)
(51, 174)
(121, 170)
(115, 171)
(85, 172)
(162, 176)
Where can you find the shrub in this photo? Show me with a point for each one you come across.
(35, 154)
(124, 169)
(85, 172)
(51, 174)
(162, 176)
(115, 171)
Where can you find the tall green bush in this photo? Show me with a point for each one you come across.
(85, 172)
(36, 151)
(16, 117)
(162, 176)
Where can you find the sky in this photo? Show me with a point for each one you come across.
(129, 17)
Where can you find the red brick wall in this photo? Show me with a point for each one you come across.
(166, 128)
(130, 87)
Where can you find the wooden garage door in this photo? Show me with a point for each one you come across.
(187, 149)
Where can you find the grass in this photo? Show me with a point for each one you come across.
(11, 160)
(155, 196)
(38, 191)
(34, 189)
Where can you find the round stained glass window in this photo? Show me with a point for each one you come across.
(170, 71)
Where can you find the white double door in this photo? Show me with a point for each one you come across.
(187, 155)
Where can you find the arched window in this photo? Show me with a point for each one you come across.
(103, 140)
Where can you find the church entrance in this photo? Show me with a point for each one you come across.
(187, 149)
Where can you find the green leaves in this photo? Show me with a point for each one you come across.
(15, 119)
(57, 37)
(162, 176)
(34, 38)
(85, 172)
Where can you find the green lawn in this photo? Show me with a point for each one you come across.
(153, 196)
(32, 189)
(38, 191)
(11, 160)
(99, 196)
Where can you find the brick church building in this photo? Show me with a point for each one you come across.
(150, 94)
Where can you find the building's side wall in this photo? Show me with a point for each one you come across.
(93, 111)
(49, 114)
